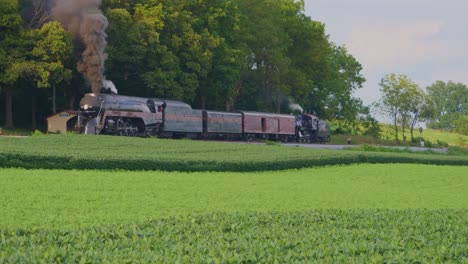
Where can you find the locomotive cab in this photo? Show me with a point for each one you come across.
(309, 128)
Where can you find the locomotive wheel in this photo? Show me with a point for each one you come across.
(120, 127)
(128, 129)
(133, 130)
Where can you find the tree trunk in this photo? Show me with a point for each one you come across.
(403, 130)
(8, 109)
(411, 131)
(395, 126)
(71, 103)
(33, 110)
(278, 103)
(203, 102)
(53, 100)
(267, 89)
(413, 124)
(228, 105)
(232, 100)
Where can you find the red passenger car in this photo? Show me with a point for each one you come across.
(268, 125)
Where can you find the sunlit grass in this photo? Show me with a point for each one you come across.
(32, 198)
(453, 139)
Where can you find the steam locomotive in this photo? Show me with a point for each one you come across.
(112, 114)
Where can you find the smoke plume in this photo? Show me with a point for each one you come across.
(294, 107)
(109, 87)
(88, 25)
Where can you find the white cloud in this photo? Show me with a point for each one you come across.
(425, 39)
(387, 45)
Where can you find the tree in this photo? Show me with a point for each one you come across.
(414, 104)
(448, 101)
(308, 53)
(10, 35)
(160, 52)
(402, 100)
(133, 41)
(35, 13)
(342, 77)
(461, 124)
(42, 61)
(219, 25)
(225, 54)
(264, 33)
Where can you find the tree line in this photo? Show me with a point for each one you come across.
(261, 55)
(442, 105)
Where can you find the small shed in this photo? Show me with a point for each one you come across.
(62, 122)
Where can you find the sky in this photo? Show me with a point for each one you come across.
(424, 39)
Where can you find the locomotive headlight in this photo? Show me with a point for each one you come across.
(85, 107)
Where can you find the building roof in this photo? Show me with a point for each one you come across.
(71, 112)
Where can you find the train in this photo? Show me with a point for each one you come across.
(112, 114)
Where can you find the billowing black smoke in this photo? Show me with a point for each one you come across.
(88, 25)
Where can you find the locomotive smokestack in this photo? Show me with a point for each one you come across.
(295, 107)
(109, 87)
(88, 25)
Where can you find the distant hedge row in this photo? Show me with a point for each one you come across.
(101, 152)
(30, 161)
(321, 236)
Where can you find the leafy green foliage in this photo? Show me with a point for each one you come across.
(406, 149)
(40, 60)
(106, 152)
(10, 37)
(357, 236)
(365, 125)
(43, 57)
(455, 150)
(403, 101)
(449, 106)
(461, 124)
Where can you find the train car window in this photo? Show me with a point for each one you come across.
(263, 124)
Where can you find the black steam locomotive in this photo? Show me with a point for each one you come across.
(112, 114)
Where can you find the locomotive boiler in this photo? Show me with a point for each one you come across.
(112, 114)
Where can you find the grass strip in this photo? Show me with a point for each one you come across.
(103, 152)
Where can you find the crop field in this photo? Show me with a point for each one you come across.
(120, 200)
(105, 152)
(33, 198)
(319, 236)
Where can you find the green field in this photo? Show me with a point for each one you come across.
(44, 198)
(120, 200)
(320, 236)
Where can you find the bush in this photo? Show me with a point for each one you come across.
(427, 144)
(442, 144)
(460, 151)
(37, 133)
(322, 236)
(105, 152)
